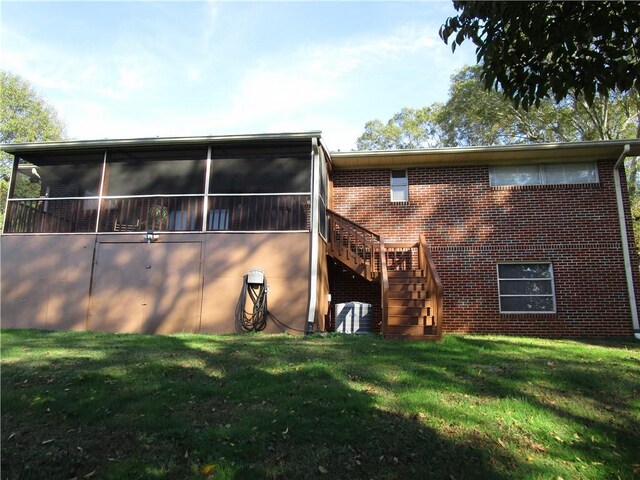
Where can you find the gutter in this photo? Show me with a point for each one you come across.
(14, 148)
(315, 226)
(625, 243)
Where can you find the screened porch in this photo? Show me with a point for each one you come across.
(235, 187)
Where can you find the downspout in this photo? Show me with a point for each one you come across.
(625, 243)
(314, 253)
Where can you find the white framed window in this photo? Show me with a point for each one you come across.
(399, 186)
(551, 174)
(526, 287)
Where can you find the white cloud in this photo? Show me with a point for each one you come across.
(150, 85)
(314, 75)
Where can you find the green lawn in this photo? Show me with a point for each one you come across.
(89, 405)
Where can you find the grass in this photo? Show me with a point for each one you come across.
(90, 405)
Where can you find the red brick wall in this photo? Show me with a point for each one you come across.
(471, 226)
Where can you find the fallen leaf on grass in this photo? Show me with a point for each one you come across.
(501, 443)
(208, 469)
(539, 448)
(323, 470)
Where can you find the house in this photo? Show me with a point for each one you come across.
(165, 235)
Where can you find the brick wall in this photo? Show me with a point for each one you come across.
(471, 226)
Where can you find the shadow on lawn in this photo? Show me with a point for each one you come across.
(571, 388)
(126, 406)
(123, 406)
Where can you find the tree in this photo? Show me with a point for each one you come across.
(534, 50)
(407, 129)
(475, 116)
(24, 117)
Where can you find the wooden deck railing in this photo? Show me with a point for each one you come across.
(173, 213)
(434, 284)
(354, 245)
(51, 215)
(158, 213)
(259, 212)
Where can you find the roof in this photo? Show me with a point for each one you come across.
(487, 155)
(452, 156)
(14, 148)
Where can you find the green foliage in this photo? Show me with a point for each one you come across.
(24, 117)
(632, 166)
(92, 405)
(408, 129)
(475, 116)
(536, 50)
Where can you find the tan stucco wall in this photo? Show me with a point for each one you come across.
(284, 257)
(146, 287)
(45, 281)
(183, 282)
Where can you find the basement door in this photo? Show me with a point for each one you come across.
(146, 287)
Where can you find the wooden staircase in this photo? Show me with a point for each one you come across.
(410, 288)
(409, 311)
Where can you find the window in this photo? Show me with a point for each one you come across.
(552, 174)
(526, 288)
(399, 186)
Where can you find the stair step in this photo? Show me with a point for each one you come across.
(408, 295)
(407, 286)
(405, 273)
(420, 311)
(409, 302)
(397, 320)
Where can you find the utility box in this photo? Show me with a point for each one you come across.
(353, 317)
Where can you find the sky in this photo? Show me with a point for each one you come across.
(148, 69)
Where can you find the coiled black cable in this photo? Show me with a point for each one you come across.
(256, 319)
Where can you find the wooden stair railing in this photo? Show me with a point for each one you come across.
(354, 245)
(434, 284)
(411, 290)
(384, 289)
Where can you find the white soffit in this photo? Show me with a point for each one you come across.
(491, 155)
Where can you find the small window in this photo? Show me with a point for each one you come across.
(399, 186)
(526, 288)
(552, 174)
